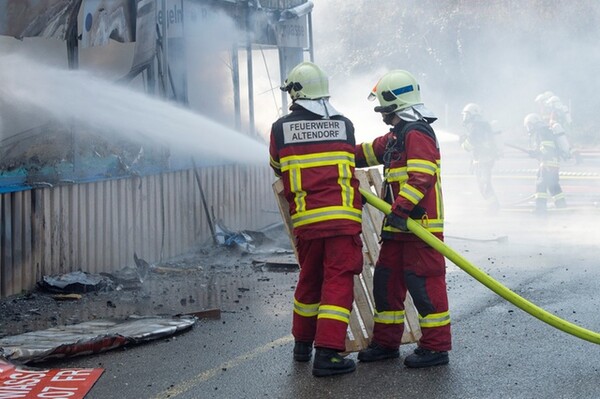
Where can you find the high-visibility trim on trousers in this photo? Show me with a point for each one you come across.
(335, 313)
(306, 309)
(434, 320)
(389, 317)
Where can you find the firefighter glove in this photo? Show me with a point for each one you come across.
(396, 221)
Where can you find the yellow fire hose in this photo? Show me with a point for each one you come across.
(483, 278)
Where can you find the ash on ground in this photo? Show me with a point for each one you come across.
(209, 278)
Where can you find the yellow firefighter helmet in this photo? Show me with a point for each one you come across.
(306, 81)
(396, 90)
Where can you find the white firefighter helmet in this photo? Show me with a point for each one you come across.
(396, 90)
(306, 81)
(543, 97)
(471, 111)
(532, 122)
(554, 102)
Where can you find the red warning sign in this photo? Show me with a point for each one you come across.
(17, 382)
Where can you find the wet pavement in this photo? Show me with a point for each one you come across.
(499, 351)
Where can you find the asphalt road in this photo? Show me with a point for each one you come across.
(499, 351)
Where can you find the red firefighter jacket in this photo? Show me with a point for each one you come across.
(411, 159)
(315, 159)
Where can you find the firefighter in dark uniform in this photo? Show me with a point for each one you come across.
(548, 145)
(410, 157)
(312, 150)
(480, 142)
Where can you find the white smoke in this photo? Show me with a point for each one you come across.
(83, 97)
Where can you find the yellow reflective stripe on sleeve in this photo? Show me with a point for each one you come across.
(389, 317)
(397, 174)
(434, 320)
(306, 309)
(370, 157)
(274, 163)
(317, 159)
(345, 173)
(421, 165)
(296, 188)
(335, 313)
(411, 193)
(326, 213)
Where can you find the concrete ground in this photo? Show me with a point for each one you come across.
(499, 351)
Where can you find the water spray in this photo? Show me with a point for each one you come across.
(483, 278)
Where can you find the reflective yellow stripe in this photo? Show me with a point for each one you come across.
(389, 317)
(296, 188)
(370, 157)
(345, 162)
(335, 313)
(554, 163)
(431, 225)
(434, 320)
(558, 196)
(421, 165)
(326, 213)
(396, 174)
(274, 163)
(549, 144)
(345, 173)
(438, 194)
(306, 309)
(541, 195)
(410, 193)
(317, 159)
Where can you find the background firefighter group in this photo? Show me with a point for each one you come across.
(547, 131)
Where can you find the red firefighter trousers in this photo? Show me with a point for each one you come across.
(418, 268)
(324, 293)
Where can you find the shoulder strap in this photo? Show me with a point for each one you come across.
(421, 126)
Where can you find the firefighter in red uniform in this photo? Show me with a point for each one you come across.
(312, 150)
(410, 157)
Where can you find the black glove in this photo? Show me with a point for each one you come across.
(396, 221)
(363, 199)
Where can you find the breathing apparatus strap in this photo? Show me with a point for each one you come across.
(396, 146)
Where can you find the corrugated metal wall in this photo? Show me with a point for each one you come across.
(98, 226)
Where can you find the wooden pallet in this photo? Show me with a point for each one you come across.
(360, 328)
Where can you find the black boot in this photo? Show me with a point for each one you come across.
(426, 358)
(330, 362)
(302, 351)
(375, 352)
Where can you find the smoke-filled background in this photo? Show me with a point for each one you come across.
(499, 54)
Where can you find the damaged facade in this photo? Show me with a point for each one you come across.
(81, 197)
